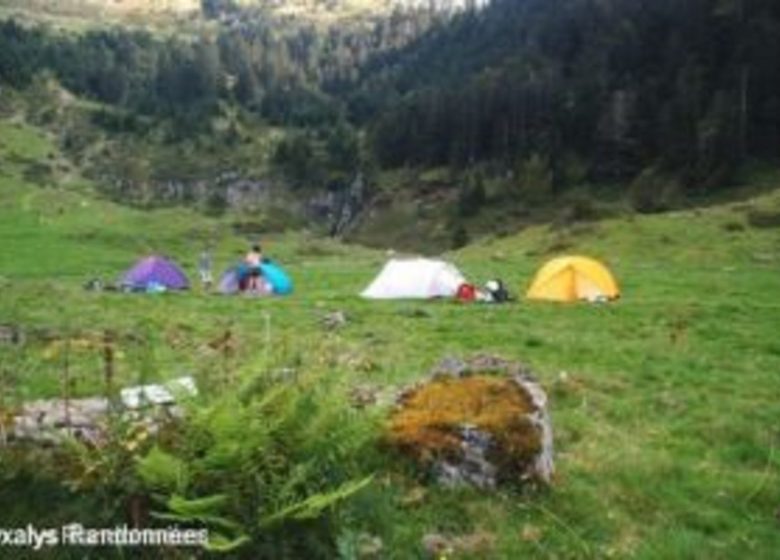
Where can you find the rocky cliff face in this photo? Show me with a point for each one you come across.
(333, 211)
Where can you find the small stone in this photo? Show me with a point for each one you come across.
(531, 533)
(450, 367)
(369, 546)
(437, 545)
(363, 396)
(414, 497)
(334, 320)
(478, 543)
(11, 335)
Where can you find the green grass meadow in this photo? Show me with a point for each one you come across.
(665, 403)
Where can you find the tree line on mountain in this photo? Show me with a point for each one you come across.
(689, 88)
(597, 90)
(285, 71)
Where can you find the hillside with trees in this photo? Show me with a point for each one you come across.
(408, 279)
(519, 101)
(691, 88)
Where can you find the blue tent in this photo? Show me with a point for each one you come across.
(280, 282)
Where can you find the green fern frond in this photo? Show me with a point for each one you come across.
(161, 470)
(314, 505)
(197, 506)
(221, 543)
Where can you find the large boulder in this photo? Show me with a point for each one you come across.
(479, 421)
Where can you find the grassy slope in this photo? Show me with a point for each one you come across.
(77, 17)
(80, 15)
(666, 420)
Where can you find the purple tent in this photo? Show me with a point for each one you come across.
(230, 282)
(155, 270)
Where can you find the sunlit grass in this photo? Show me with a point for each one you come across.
(664, 403)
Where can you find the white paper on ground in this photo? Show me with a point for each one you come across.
(136, 397)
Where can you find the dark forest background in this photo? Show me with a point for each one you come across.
(563, 92)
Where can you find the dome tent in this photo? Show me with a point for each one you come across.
(277, 278)
(280, 282)
(154, 271)
(573, 278)
(415, 279)
(230, 282)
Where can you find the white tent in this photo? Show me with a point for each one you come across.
(415, 278)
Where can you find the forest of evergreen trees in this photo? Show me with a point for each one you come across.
(618, 86)
(692, 87)
(282, 72)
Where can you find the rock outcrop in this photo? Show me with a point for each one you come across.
(479, 422)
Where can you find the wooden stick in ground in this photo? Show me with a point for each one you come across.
(227, 354)
(66, 381)
(108, 362)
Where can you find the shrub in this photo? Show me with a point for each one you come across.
(460, 237)
(535, 179)
(573, 170)
(471, 197)
(579, 206)
(260, 468)
(40, 174)
(652, 191)
(733, 227)
(764, 218)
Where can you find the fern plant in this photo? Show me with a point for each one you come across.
(250, 469)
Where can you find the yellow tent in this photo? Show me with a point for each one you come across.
(572, 278)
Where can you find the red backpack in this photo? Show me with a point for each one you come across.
(466, 292)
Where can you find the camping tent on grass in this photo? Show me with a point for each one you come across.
(154, 271)
(573, 278)
(280, 282)
(415, 278)
(230, 283)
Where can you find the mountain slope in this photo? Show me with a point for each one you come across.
(520, 106)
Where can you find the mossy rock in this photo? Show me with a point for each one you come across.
(480, 422)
